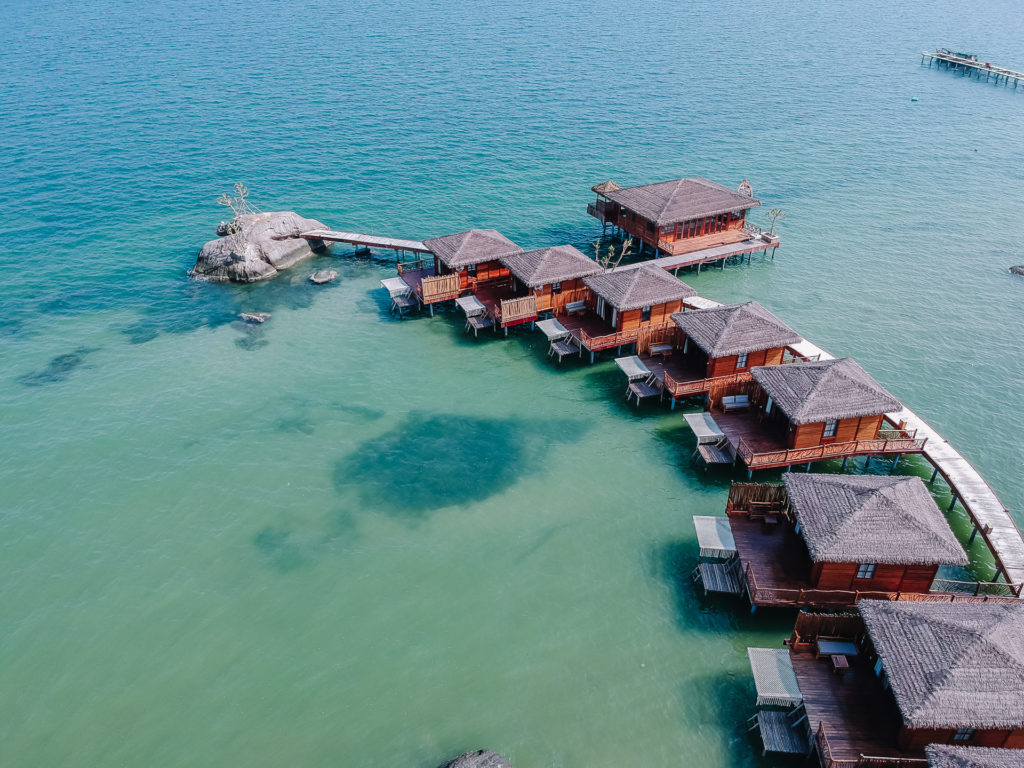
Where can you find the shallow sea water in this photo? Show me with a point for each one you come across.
(344, 539)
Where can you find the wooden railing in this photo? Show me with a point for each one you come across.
(655, 334)
(684, 388)
(598, 210)
(412, 266)
(908, 443)
(827, 760)
(439, 288)
(977, 588)
(559, 300)
(754, 496)
(595, 343)
(514, 311)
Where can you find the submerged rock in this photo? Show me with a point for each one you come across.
(323, 276)
(257, 318)
(263, 244)
(482, 758)
(1018, 270)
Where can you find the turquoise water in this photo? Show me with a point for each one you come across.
(341, 539)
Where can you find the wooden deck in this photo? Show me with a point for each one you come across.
(368, 241)
(594, 334)
(778, 558)
(849, 714)
(990, 516)
(950, 60)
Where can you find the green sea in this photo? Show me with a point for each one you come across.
(344, 539)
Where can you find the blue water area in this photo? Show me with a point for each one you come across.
(343, 539)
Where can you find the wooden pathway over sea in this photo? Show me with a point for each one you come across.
(969, 66)
(367, 241)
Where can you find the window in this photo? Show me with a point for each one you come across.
(471, 270)
(830, 428)
(963, 734)
(866, 571)
(556, 287)
(645, 314)
(741, 360)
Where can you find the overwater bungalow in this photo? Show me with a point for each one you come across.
(801, 413)
(625, 306)
(878, 688)
(682, 216)
(718, 346)
(829, 541)
(465, 261)
(547, 281)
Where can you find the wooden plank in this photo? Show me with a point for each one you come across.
(370, 241)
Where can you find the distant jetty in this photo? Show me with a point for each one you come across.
(968, 64)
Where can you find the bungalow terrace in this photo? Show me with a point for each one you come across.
(829, 541)
(682, 216)
(717, 347)
(545, 281)
(465, 261)
(625, 306)
(801, 413)
(879, 688)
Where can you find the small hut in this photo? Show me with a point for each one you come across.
(625, 304)
(676, 216)
(546, 281)
(956, 671)
(720, 345)
(464, 261)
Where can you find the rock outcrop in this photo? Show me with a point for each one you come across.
(323, 276)
(482, 758)
(1018, 270)
(263, 244)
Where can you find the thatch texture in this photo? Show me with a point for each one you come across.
(605, 187)
(550, 265)
(733, 329)
(640, 286)
(668, 202)
(947, 756)
(951, 665)
(871, 519)
(828, 389)
(476, 246)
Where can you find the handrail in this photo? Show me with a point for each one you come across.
(439, 288)
(679, 388)
(782, 456)
(594, 343)
(510, 311)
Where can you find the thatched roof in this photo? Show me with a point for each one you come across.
(476, 246)
(605, 187)
(550, 265)
(871, 519)
(951, 665)
(733, 329)
(827, 389)
(948, 756)
(641, 286)
(681, 200)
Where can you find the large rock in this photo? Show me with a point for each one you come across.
(1018, 270)
(482, 758)
(264, 244)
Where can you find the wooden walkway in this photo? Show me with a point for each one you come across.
(971, 67)
(369, 241)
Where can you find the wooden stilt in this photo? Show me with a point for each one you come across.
(935, 473)
(974, 534)
(951, 504)
(845, 459)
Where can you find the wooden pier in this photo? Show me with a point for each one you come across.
(367, 241)
(969, 65)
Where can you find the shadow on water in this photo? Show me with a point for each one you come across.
(432, 461)
(58, 369)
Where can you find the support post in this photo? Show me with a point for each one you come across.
(952, 503)
(808, 469)
(431, 306)
(845, 459)
(672, 404)
(895, 461)
(935, 473)
(591, 357)
(974, 534)
(750, 473)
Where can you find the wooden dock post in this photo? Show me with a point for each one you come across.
(845, 459)
(951, 504)
(935, 473)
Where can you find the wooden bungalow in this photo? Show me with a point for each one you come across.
(828, 541)
(678, 216)
(465, 261)
(718, 346)
(806, 412)
(877, 689)
(625, 306)
(545, 281)
(947, 756)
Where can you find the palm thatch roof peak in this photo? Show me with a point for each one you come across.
(605, 187)
(550, 265)
(951, 665)
(826, 389)
(871, 519)
(475, 246)
(642, 286)
(733, 329)
(949, 756)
